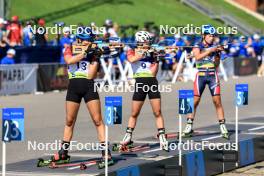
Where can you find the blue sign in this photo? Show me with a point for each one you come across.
(241, 94)
(246, 152)
(113, 110)
(13, 124)
(185, 101)
(128, 171)
(195, 163)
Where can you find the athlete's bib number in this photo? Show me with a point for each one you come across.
(143, 65)
(82, 65)
(78, 69)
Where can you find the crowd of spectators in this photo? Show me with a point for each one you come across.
(13, 34)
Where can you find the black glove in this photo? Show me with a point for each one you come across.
(92, 53)
(106, 50)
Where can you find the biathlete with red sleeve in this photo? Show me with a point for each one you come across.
(82, 59)
(145, 66)
(207, 59)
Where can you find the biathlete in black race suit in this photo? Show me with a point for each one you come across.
(82, 59)
(145, 67)
(207, 59)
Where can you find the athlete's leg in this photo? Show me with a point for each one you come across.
(132, 121)
(219, 107)
(94, 108)
(156, 108)
(220, 115)
(196, 102)
(199, 86)
(214, 86)
(136, 108)
(72, 109)
(71, 116)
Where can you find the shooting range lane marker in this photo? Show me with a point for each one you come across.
(255, 133)
(256, 128)
(78, 167)
(146, 142)
(43, 174)
(246, 123)
(79, 155)
(210, 138)
(153, 150)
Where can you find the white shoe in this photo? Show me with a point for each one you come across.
(224, 131)
(188, 131)
(127, 139)
(163, 142)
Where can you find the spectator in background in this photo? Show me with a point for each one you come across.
(258, 47)
(242, 47)
(65, 42)
(27, 35)
(2, 33)
(9, 59)
(2, 28)
(14, 32)
(110, 29)
(41, 38)
(178, 42)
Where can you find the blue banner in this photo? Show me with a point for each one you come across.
(241, 94)
(186, 104)
(195, 163)
(13, 124)
(186, 94)
(113, 110)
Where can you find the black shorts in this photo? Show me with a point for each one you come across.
(79, 88)
(146, 86)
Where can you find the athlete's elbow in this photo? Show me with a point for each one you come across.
(198, 57)
(131, 60)
(68, 61)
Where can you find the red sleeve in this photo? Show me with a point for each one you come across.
(67, 51)
(130, 53)
(8, 27)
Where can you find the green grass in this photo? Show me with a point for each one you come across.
(162, 12)
(220, 6)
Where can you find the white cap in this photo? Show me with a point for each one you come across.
(108, 22)
(177, 36)
(256, 37)
(2, 21)
(242, 37)
(11, 51)
(66, 29)
(233, 50)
